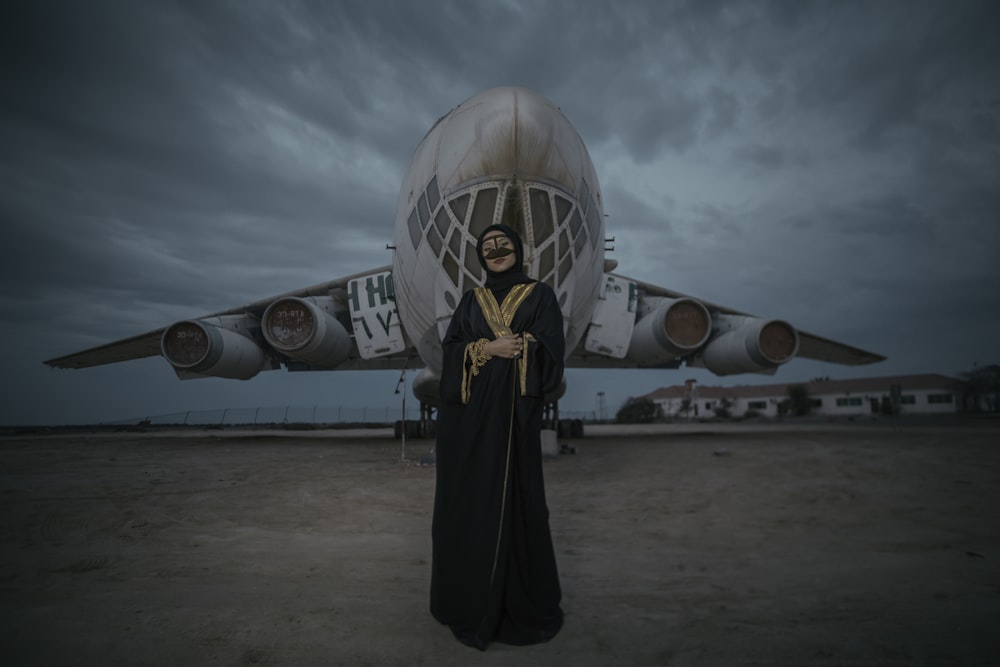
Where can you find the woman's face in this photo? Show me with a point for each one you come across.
(498, 251)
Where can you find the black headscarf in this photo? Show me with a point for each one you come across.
(500, 283)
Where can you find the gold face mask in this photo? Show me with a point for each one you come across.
(497, 253)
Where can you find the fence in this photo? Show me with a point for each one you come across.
(314, 414)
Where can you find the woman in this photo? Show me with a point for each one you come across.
(494, 574)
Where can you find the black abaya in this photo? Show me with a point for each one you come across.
(494, 575)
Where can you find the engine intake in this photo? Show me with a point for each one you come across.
(305, 329)
(675, 328)
(750, 345)
(206, 348)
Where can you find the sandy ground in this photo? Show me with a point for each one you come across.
(773, 545)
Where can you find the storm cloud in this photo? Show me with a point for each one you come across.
(832, 164)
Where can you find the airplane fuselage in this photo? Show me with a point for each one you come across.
(504, 156)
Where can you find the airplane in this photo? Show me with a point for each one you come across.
(507, 155)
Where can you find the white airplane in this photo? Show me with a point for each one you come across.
(505, 155)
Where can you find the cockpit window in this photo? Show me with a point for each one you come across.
(455, 241)
(423, 211)
(563, 207)
(434, 239)
(460, 206)
(442, 222)
(581, 241)
(541, 215)
(472, 266)
(565, 265)
(450, 267)
(513, 212)
(555, 228)
(414, 225)
(584, 195)
(433, 195)
(547, 262)
(592, 225)
(575, 223)
(482, 211)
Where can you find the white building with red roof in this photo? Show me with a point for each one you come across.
(914, 394)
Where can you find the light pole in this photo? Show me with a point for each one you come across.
(402, 383)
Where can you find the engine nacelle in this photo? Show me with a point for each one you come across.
(211, 347)
(556, 393)
(749, 345)
(427, 387)
(306, 329)
(674, 328)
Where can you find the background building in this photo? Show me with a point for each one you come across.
(912, 394)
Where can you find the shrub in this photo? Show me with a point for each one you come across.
(640, 410)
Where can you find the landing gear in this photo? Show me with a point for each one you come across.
(428, 425)
(564, 428)
(413, 429)
(550, 415)
(424, 427)
(570, 428)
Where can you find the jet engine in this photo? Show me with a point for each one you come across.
(426, 387)
(211, 347)
(675, 327)
(306, 329)
(749, 345)
(557, 393)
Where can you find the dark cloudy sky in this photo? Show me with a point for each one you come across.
(836, 164)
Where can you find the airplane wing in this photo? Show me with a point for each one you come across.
(371, 313)
(136, 347)
(608, 342)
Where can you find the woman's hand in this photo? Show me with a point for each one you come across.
(508, 347)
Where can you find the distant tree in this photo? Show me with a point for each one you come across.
(981, 387)
(640, 410)
(686, 407)
(799, 401)
(722, 410)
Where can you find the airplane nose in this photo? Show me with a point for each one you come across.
(505, 155)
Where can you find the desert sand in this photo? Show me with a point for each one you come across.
(816, 544)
